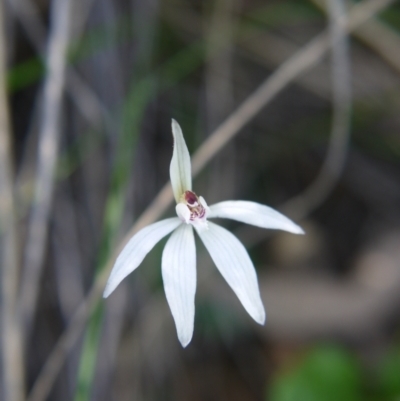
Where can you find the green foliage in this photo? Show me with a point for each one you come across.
(328, 373)
(88, 363)
(389, 376)
(30, 71)
(392, 16)
(25, 74)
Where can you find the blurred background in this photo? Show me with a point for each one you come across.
(302, 101)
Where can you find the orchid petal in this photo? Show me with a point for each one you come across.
(183, 212)
(179, 277)
(136, 250)
(233, 261)
(180, 168)
(255, 214)
(204, 204)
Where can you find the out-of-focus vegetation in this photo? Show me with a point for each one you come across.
(325, 374)
(332, 373)
(131, 66)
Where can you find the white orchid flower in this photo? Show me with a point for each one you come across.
(179, 255)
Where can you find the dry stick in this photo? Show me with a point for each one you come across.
(297, 64)
(219, 85)
(218, 72)
(384, 40)
(11, 339)
(47, 157)
(86, 101)
(316, 193)
(55, 361)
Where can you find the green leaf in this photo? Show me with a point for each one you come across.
(328, 373)
(389, 375)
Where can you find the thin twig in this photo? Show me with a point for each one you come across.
(218, 85)
(316, 193)
(264, 47)
(55, 361)
(47, 157)
(86, 101)
(382, 39)
(218, 72)
(12, 349)
(297, 64)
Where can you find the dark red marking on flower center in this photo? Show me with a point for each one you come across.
(191, 198)
(197, 210)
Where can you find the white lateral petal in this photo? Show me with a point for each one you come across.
(136, 250)
(255, 214)
(233, 261)
(180, 169)
(179, 277)
(183, 212)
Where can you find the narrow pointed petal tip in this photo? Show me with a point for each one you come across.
(255, 214)
(180, 168)
(185, 339)
(299, 230)
(261, 317)
(179, 277)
